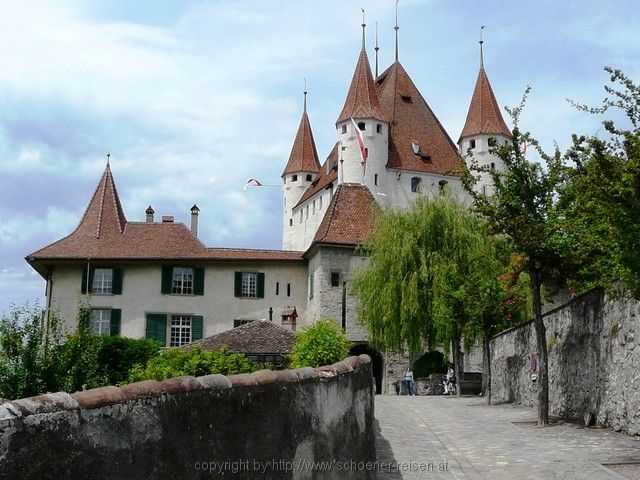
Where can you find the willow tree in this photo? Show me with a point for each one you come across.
(414, 293)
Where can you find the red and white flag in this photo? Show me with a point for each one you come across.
(252, 181)
(363, 150)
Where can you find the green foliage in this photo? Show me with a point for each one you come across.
(196, 362)
(430, 362)
(600, 201)
(78, 367)
(433, 275)
(118, 355)
(552, 342)
(322, 343)
(27, 356)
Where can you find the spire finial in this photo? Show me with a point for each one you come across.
(304, 109)
(396, 28)
(481, 52)
(108, 157)
(363, 27)
(376, 49)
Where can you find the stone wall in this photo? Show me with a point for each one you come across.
(263, 425)
(594, 365)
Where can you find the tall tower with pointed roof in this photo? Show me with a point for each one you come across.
(301, 171)
(362, 105)
(484, 128)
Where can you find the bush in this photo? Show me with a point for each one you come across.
(195, 362)
(118, 355)
(322, 343)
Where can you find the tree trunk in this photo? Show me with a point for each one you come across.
(486, 369)
(541, 340)
(456, 361)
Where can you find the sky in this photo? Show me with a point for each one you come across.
(192, 98)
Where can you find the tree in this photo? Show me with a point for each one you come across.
(319, 344)
(427, 265)
(600, 201)
(523, 208)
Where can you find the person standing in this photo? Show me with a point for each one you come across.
(408, 382)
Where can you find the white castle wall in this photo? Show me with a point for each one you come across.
(483, 156)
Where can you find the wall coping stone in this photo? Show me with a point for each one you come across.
(110, 395)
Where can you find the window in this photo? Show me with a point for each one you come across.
(291, 222)
(484, 189)
(375, 179)
(102, 280)
(344, 128)
(101, 321)
(294, 178)
(277, 288)
(180, 330)
(320, 203)
(406, 98)
(415, 184)
(313, 208)
(493, 165)
(311, 286)
(307, 214)
(238, 323)
(301, 214)
(442, 184)
(309, 177)
(182, 281)
(249, 284)
(288, 289)
(335, 279)
(472, 144)
(378, 128)
(362, 126)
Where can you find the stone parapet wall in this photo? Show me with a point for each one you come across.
(267, 424)
(594, 364)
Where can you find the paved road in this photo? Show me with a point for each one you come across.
(462, 438)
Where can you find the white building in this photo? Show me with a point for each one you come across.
(156, 279)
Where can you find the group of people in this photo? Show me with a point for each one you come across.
(410, 386)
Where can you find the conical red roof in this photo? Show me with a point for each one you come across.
(484, 115)
(304, 156)
(362, 99)
(104, 215)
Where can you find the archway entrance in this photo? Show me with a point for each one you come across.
(376, 362)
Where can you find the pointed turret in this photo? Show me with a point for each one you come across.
(304, 156)
(362, 99)
(484, 117)
(104, 215)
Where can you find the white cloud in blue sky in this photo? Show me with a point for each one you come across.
(192, 98)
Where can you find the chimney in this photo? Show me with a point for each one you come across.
(149, 211)
(194, 220)
(167, 219)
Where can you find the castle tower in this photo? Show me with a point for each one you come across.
(483, 129)
(362, 105)
(302, 169)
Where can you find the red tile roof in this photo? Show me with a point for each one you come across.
(104, 233)
(304, 156)
(349, 217)
(362, 99)
(254, 337)
(484, 115)
(412, 120)
(325, 178)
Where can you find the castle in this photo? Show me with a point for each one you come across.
(157, 279)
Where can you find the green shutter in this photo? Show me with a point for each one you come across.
(114, 326)
(260, 286)
(198, 281)
(167, 278)
(116, 286)
(238, 284)
(196, 327)
(157, 327)
(83, 285)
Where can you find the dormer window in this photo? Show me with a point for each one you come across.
(344, 128)
(362, 126)
(416, 147)
(406, 98)
(294, 178)
(309, 177)
(379, 128)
